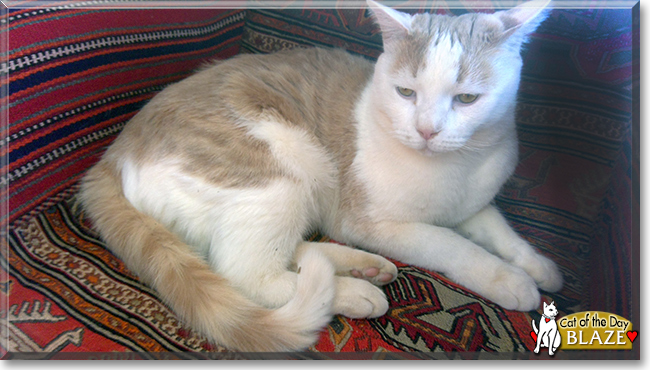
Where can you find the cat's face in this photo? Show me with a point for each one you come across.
(442, 79)
(550, 310)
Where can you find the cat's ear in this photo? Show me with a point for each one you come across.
(524, 19)
(545, 305)
(393, 24)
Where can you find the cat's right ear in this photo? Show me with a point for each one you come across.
(393, 24)
(523, 19)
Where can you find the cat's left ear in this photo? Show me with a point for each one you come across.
(523, 19)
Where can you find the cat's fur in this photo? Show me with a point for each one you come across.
(547, 334)
(208, 191)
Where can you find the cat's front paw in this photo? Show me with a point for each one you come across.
(512, 288)
(358, 299)
(544, 271)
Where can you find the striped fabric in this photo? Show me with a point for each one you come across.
(76, 76)
(72, 77)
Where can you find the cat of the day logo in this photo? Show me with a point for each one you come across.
(587, 330)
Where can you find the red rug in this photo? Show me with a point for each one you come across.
(76, 75)
(67, 293)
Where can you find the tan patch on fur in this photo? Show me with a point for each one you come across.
(199, 119)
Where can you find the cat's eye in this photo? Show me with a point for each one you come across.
(405, 92)
(466, 98)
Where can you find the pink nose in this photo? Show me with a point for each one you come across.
(427, 133)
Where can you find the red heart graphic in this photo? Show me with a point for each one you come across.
(532, 334)
(632, 335)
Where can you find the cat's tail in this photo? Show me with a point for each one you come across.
(535, 327)
(202, 299)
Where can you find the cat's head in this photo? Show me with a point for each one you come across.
(442, 79)
(550, 310)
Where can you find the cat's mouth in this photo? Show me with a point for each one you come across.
(433, 146)
(431, 149)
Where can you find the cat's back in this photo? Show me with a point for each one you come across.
(207, 118)
(304, 86)
(286, 82)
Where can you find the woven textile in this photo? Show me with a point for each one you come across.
(73, 85)
(68, 293)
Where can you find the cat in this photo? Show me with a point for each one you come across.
(208, 191)
(547, 334)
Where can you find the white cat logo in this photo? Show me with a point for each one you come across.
(547, 335)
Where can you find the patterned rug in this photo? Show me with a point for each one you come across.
(71, 90)
(68, 293)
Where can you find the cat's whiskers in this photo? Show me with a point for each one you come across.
(405, 137)
(478, 145)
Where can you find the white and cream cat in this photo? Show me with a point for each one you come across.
(208, 191)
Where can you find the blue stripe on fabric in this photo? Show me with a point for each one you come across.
(69, 130)
(114, 58)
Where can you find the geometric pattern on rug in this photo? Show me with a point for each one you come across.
(463, 321)
(92, 302)
(570, 195)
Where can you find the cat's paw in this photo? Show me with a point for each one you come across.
(358, 299)
(544, 271)
(373, 268)
(512, 288)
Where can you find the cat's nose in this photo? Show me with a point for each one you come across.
(427, 133)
